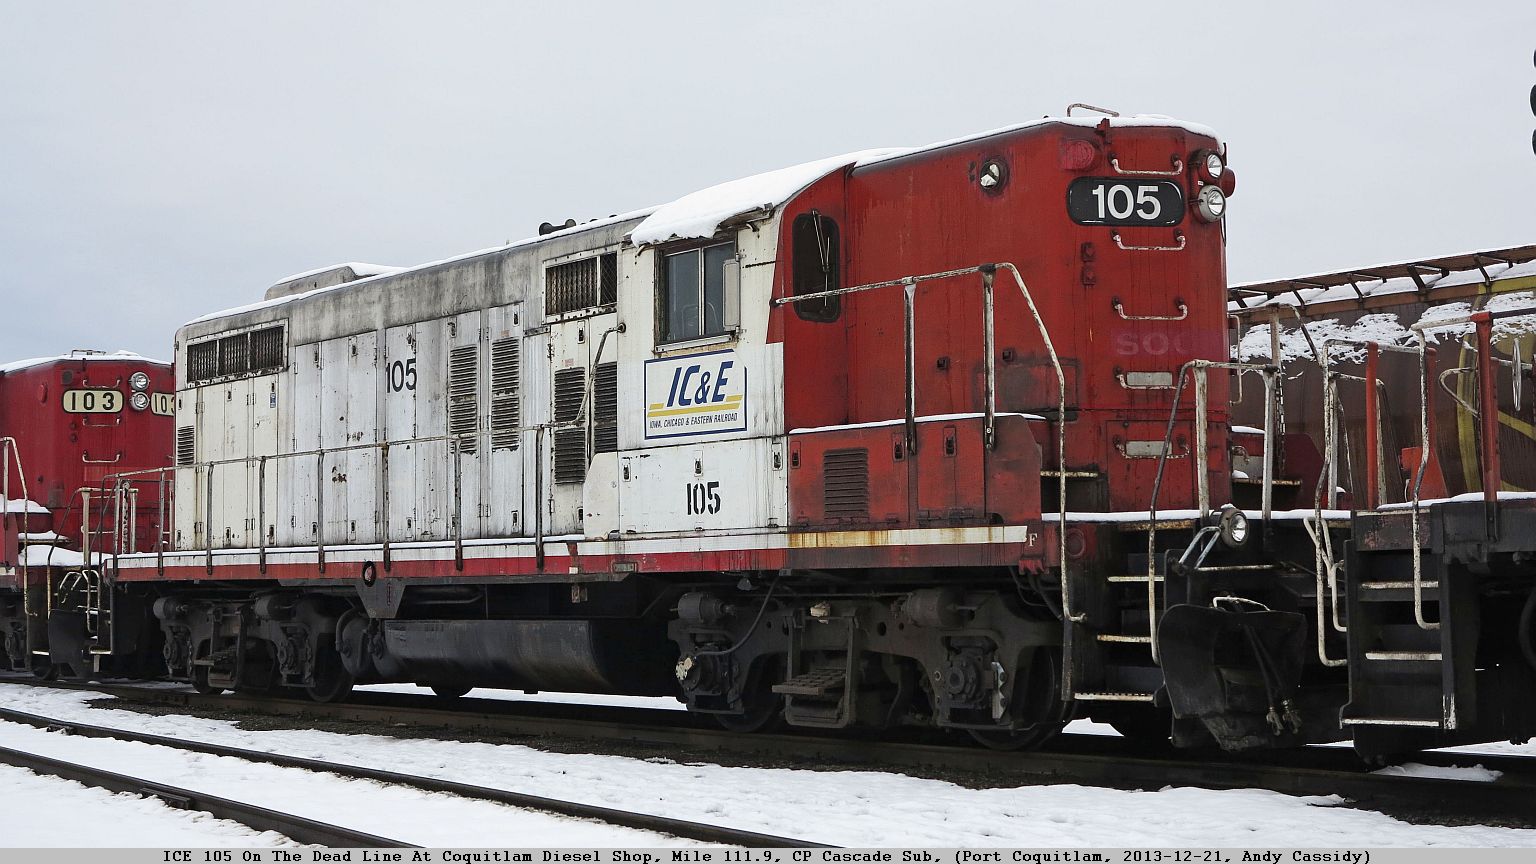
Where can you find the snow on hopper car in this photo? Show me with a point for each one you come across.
(1439, 619)
(816, 445)
(68, 423)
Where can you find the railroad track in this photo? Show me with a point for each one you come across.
(1088, 759)
(292, 826)
(312, 831)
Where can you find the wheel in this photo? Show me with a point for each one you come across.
(450, 691)
(200, 682)
(1043, 709)
(764, 708)
(45, 671)
(333, 682)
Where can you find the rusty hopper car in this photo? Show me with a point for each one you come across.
(66, 424)
(1435, 592)
(934, 436)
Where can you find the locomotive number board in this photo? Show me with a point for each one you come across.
(91, 401)
(1116, 201)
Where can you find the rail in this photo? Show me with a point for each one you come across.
(987, 272)
(622, 818)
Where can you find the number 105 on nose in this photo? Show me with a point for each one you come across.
(1110, 201)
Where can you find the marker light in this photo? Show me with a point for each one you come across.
(139, 400)
(1078, 155)
(138, 381)
(1210, 204)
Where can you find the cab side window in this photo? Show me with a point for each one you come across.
(695, 299)
(815, 247)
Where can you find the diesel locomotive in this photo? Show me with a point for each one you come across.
(968, 436)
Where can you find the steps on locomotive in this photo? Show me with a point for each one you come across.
(1403, 673)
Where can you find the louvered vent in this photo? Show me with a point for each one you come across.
(463, 396)
(234, 354)
(605, 408)
(506, 399)
(570, 444)
(186, 445)
(203, 361)
(571, 286)
(845, 474)
(267, 348)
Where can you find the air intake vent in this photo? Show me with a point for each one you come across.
(186, 445)
(845, 474)
(464, 396)
(570, 444)
(608, 279)
(605, 408)
(506, 401)
(203, 361)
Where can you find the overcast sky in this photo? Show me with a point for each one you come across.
(159, 161)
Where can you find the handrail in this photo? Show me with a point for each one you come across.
(455, 444)
(987, 271)
(1324, 551)
(1177, 302)
(11, 451)
(1198, 370)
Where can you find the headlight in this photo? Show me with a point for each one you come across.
(1234, 527)
(1211, 204)
(139, 400)
(138, 381)
(1212, 166)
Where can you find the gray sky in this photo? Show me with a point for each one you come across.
(159, 161)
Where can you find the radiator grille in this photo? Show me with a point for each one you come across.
(234, 354)
(267, 348)
(605, 408)
(506, 399)
(570, 444)
(464, 396)
(186, 445)
(845, 474)
(583, 284)
(203, 361)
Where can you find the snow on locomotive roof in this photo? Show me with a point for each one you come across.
(280, 301)
(359, 268)
(1382, 279)
(700, 214)
(18, 365)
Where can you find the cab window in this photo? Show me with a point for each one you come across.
(693, 298)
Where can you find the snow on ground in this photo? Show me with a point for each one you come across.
(842, 807)
(38, 811)
(1475, 773)
(411, 815)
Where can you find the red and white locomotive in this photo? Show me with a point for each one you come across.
(813, 444)
(67, 424)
